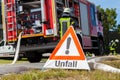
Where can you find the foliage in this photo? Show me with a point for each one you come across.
(108, 17)
(118, 28)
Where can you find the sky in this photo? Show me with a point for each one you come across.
(109, 4)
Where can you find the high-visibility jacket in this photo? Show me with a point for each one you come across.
(65, 22)
(113, 46)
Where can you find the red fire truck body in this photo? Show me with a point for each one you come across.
(38, 20)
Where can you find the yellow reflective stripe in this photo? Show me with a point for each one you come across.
(67, 20)
(72, 22)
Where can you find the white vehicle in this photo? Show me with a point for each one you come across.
(6, 50)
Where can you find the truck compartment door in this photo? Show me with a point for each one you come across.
(84, 19)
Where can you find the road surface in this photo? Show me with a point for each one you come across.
(21, 67)
(18, 68)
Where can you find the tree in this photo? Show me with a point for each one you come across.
(118, 28)
(108, 19)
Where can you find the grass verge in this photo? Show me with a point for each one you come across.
(8, 61)
(63, 75)
(59, 74)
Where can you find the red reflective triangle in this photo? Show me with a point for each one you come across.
(81, 55)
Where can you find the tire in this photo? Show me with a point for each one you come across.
(33, 56)
(101, 47)
(100, 50)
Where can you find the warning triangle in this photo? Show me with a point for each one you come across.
(75, 53)
(68, 53)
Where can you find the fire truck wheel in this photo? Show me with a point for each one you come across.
(33, 56)
(101, 47)
(100, 50)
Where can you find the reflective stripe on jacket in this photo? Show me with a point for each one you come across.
(65, 22)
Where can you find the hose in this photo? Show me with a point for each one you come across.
(94, 64)
(17, 49)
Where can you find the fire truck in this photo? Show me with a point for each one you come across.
(34, 24)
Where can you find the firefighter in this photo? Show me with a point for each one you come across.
(67, 20)
(113, 46)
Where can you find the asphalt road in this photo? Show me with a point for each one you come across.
(18, 68)
(21, 67)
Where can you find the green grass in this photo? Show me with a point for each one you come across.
(63, 75)
(8, 61)
(113, 63)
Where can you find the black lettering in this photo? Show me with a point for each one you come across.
(66, 63)
(62, 64)
(57, 63)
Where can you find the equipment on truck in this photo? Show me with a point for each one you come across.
(38, 20)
